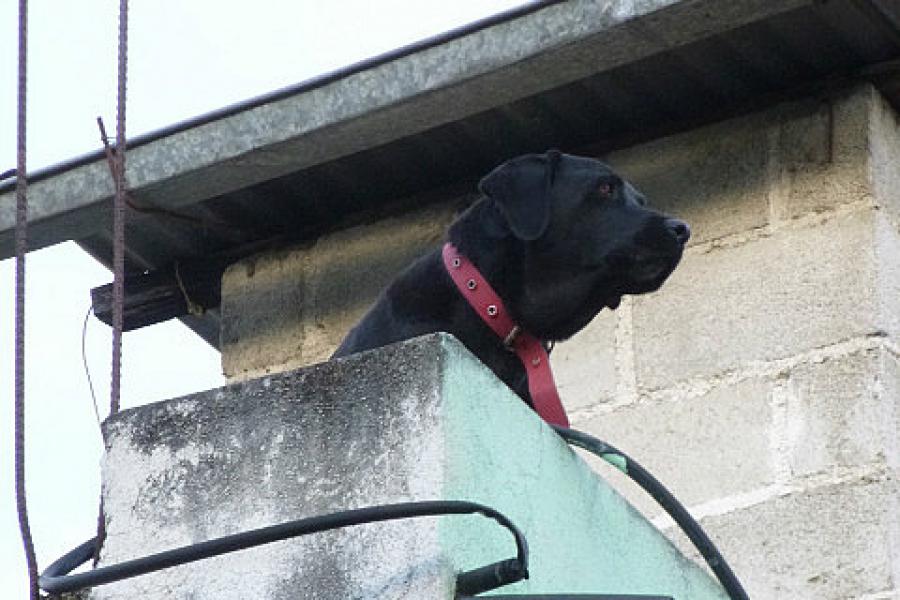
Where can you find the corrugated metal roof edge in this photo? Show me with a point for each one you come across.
(295, 89)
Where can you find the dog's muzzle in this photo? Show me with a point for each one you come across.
(656, 252)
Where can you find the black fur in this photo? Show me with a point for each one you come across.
(559, 237)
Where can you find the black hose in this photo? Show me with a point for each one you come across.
(666, 500)
(55, 578)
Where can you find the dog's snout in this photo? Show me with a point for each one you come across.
(680, 230)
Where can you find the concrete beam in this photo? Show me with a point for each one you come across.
(484, 69)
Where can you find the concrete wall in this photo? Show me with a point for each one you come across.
(409, 422)
(284, 310)
(761, 383)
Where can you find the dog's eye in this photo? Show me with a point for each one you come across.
(606, 188)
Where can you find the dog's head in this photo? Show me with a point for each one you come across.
(584, 237)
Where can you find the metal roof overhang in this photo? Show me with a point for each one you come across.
(400, 130)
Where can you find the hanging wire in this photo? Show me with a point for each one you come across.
(21, 249)
(119, 214)
(84, 361)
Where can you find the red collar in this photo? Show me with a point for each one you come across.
(485, 301)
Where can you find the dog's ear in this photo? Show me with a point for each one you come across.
(521, 188)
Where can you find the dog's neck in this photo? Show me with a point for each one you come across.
(485, 302)
(481, 236)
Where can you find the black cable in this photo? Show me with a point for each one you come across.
(84, 362)
(55, 578)
(666, 500)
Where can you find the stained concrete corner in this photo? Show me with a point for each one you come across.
(341, 435)
(420, 420)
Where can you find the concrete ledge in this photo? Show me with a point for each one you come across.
(418, 420)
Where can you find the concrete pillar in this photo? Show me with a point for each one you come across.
(420, 420)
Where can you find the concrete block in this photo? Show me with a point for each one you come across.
(739, 439)
(827, 543)
(714, 177)
(702, 448)
(350, 268)
(820, 159)
(771, 298)
(790, 160)
(839, 414)
(884, 159)
(262, 306)
(420, 420)
(887, 290)
(584, 366)
(291, 308)
(891, 424)
(884, 165)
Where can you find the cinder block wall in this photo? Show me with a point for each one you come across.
(289, 309)
(761, 384)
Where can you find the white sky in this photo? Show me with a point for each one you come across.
(185, 58)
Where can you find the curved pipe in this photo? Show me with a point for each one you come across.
(666, 500)
(55, 578)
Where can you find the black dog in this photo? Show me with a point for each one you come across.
(559, 238)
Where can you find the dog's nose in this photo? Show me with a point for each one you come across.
(680, 230)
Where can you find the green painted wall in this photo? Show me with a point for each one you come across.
(583, 536)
